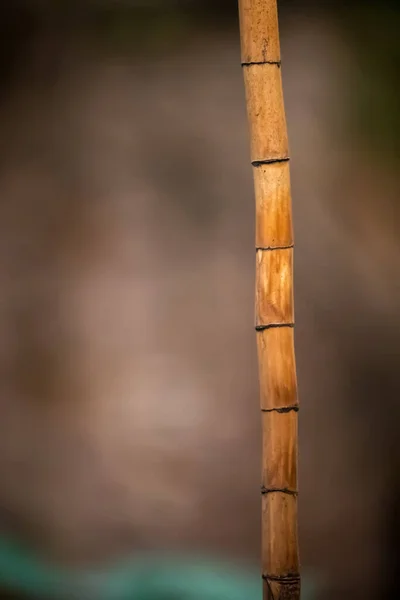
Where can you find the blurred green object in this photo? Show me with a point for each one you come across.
(374, 86)
(146, 577)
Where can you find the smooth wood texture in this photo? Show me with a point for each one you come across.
(274, 294)
(273, 207)
(274, 297)
(277, 368)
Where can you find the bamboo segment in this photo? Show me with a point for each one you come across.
(277, 369)
(280, 444)
(273, 206)
(260, 36)
(279, 513)
(279, 556)
(264, 94)
(273, 297)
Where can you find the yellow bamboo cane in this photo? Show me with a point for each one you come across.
(260, 49)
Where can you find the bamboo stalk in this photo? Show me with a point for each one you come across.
(260, 49)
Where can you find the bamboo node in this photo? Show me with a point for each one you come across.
(282, 409)
(273, 490)
(286, 587)
(269, 161)
(270, 248)
(278, 63)
(273, 325)
(289, 578)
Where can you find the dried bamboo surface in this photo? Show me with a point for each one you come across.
(274, 297)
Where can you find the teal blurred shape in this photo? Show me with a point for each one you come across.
(144, 577)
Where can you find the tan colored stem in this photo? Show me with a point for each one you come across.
(274, 297)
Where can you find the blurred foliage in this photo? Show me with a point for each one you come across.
(372, 31)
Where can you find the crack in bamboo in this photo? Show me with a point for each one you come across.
(260, 57)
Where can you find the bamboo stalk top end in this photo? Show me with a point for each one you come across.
(259, 31)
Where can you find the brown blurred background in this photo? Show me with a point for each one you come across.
(129, 396)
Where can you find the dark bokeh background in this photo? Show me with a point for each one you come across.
(129, 396)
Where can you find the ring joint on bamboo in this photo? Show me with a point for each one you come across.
(278, 63)
(282, 409)
(288, 579)
(270, 248)
(273, 326)
(269, 161)
(273, 490)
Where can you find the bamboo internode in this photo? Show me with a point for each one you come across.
(260, 51)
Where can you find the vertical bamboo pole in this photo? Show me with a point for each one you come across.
(260, 49)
